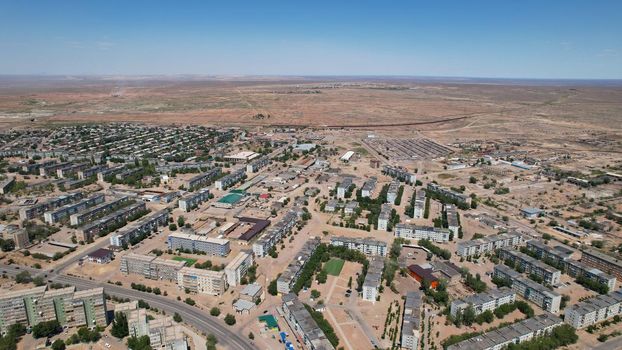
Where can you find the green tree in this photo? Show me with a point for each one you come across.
(230, 319)
(119, 328)
(211, 342)
(141, 343)
(46, 329)
(177, 317)
(58, 344)
(214, 311)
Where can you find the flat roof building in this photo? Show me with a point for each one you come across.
(488, 244)
(415, 232)
(482, 302)
(299, 319)
(538, 294)
(367, 246)
(288, 278)
(238, 267)
(193, 242)
(202, 281)
(411, 321)
(594, 310)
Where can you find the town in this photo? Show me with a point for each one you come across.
(132, 235)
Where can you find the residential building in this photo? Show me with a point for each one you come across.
(38, 209)
(594, 310)
(111, 220)
(384, 217)
(89, 214)
(143, 226)
(373, 278)
(288, 278)
(202, 179)
(332, 206)
(416, 233)
(532, 266)
(343, 187)
(394, 188)
(453, 195)
(351, 207)
(274, 234)
(103, 174)
(488, 244)
(482, 302)
(606, 263)
(400, 174)
(193, 242)
(238, 267)
(6, 184)
(411, 321)
(538, 294)
(516, 333)
(367, 246)
(419, 208)
(92, 171)
(368, 187)
(54, 216)
(255, 165)
(202, 281)
(71, 169)
(193, 200)
(230, 179)
(453, 221)
(20, 237)
(299, 319)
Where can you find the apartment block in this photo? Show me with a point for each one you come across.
(92, 171)
(367, 246)
(453, 222)
(368, 187)
(202, 179)
(71, 170)
(419, 208)
(120, 216)
(192, 242)
(303, 324)
(288, 278)
(274, 234)
(255, 165)
(148, 223)
(238, 267)
(394, 187)
(86, 215)
(371, 284)
(411, 321)
(54, 216)
(6, 184)
(515, 333)
(531, 265)
(230, 179)
(66, 305)
(487, 244)
(343, 187)
(538, 294)
(482, 302)
(606, 263)
(193, 200)
(103, 174)
(459, 197)
(39, 209)
(151, 267)
(594, 310)
(415, 232)
(202, 281)
(400, 174)
(48, 170)
(384, 217)
(558, 253)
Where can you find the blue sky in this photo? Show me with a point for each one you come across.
(515, 39)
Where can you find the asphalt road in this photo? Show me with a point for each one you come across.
(190, 314)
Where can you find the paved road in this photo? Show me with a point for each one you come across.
(190, 314)
(614, 344)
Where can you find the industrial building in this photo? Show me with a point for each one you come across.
(303, 324)
(415, 232)
(486, 301)
(594, 310)
(202, 281)
(193, 242)
(238, 267)
(515, 333)
(530, 265)
(538, 294)
(367, 246)
(288, 278)
(488, 244)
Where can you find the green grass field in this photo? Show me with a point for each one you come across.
(334, 266)
(189, 261)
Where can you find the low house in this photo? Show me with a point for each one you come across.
(100, 256)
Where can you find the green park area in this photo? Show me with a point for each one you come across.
(333, 266)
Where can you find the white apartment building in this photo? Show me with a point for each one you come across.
(594, 310)
(202, 281)
(238, 267)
